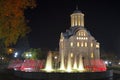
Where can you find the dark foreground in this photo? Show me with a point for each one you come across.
(9, 75)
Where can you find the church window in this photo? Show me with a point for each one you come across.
(97, 46)
(71, 44)
(71, 54)
(92, 55)
(82, 38)
(77, 38)
(78, 44)
(78, 20)
(61, 40)
(72, 21)
(91, 44)
(79, 33)
(81, 44)
(85, 44)
(84, 33)
(75, 20)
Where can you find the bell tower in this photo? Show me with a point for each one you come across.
(77, 18)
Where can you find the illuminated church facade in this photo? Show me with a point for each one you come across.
(77, 41)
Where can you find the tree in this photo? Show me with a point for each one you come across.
(12, 20)
(34, 54)
(30, 54)
(22, 45)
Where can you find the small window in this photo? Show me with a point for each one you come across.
(97, 46)
(85, 44)
(78, 44)
(61, 40)
(71, 44)
(77, 38)
(81, 33)
(91, 44)
(92, 55)
(82, 38)
(84, 34)
(81, 44)
(71, 54)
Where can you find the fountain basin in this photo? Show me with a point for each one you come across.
(64, 75)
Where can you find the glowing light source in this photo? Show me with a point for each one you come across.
(2, 58)
(106, 62)
(78, 44)
(85, 44)
(80, 67)
(81, 44)
(16, 54)
(71, 44)
(69, 64)
(55, 57)
(27, 55)
(97, 46)
(30, 55)
(92, 55)
(91, 44)
(71, 55)
(48, 67)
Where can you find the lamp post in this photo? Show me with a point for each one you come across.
(16, 54)
(10, 50)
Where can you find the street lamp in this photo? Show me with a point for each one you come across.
(16, 54)
(28, 55)
(10, 50)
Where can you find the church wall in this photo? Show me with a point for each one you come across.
(78, 41)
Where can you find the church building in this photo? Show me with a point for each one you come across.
(77, 41)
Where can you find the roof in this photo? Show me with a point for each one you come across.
(72, 31)
(77, 11)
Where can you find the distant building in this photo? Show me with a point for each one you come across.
(77, 41)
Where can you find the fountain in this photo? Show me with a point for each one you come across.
(78, 70)
(32, 65)
(79, 57)
(15, 64)
(75, 63)
(69, 64)
(97, 65)
(48, 66)
(81, 67)
(62, 66)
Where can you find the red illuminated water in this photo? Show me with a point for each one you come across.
(35, 65)
(95, 65)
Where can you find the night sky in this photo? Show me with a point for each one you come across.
(51, 17)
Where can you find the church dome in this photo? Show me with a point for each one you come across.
(77, 11)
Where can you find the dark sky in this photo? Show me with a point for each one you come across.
(51, 17)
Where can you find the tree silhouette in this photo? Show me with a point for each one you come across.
(12, 20)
